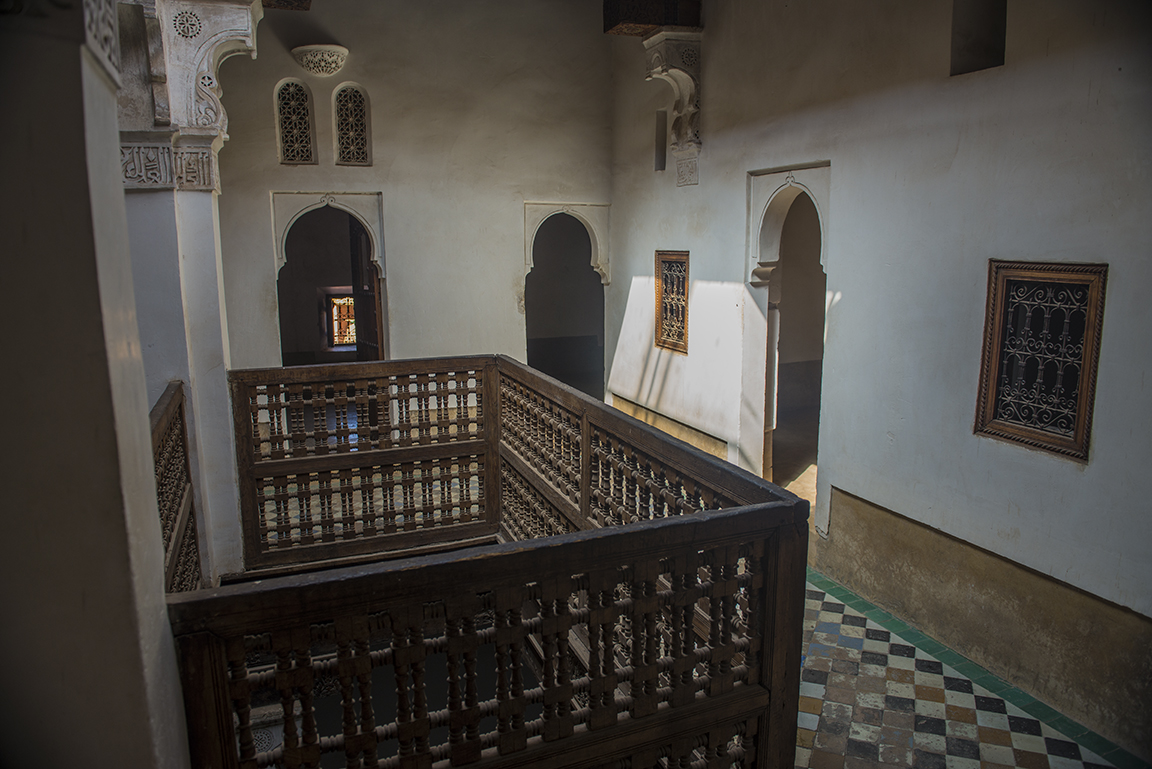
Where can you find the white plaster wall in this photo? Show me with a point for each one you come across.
(476, 107)
(156, 277)
(702, 388)
(1046, 158)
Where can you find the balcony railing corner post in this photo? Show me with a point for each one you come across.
(203, 671)
(786, 566)
(492, 472)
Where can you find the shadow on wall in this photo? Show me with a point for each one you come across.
(874, 48)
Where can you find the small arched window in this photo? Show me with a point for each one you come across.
(353, 147)
(294, 112)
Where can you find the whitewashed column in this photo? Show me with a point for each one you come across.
(175, 163)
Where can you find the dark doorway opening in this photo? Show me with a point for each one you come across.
(329, 292)
(800, 351)
(564, 306)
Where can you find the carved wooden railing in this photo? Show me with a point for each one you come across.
(569, 463)
(341, 461)
(625, 632)
(453, 659)
(174, 491)
(347, 462)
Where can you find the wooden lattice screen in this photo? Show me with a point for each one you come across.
(342, 461)
(174, 491)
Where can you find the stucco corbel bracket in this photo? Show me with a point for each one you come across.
(673, 55)
(197, 37)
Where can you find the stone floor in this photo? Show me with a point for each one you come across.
(876, 692)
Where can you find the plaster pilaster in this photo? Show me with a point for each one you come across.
(178, 155)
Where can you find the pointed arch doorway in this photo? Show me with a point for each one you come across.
(798, 295)
(329, 291)
(564, 306)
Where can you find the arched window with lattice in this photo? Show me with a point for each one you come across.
(294, 118)
(353, 129)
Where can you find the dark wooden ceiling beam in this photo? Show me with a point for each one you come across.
(640, 18)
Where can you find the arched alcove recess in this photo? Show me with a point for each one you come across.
(594, 217)
(365, 207)
(329, 291)
(791, 232)
(564, 306)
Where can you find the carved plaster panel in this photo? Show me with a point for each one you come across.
(102, 36)
(594, 217)
(162, 166)
(674, 57)
(367, 207)
(197, 37)
(770, 195)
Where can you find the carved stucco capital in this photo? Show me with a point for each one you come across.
(197, 36)
(674, 56)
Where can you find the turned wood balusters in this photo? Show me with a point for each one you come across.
(646, 612)
(660, 639)
(345, 461)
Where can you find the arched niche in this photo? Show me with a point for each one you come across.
(594, 217)
(329, 295)
(771, 194)
(367, 207)
(564, 306)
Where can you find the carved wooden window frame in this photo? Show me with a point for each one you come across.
(673, 305)
(1073, 439)
(300, 126)
(350, 136)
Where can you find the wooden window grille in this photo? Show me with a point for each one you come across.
(294, 111)
(342, 315)
(1041, 346)
(672, 300)
(352, 146)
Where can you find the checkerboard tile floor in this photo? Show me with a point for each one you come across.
(876, 692)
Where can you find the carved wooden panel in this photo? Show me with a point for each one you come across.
(174, 492)
(353, 137)
(337, 455)
(1041, 346)
(628, 484)
(294, 111)
(544, 433)
(526, 513)
(672, 300)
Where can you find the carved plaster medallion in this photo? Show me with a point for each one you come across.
(187, 24)
(321, 60)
